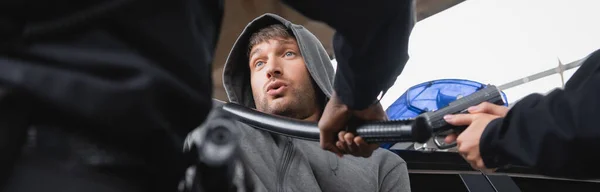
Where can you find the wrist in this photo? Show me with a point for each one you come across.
(488, 145)
(357, 105)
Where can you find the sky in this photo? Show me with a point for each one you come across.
(498, 41)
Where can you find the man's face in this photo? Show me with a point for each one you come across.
(280, 82)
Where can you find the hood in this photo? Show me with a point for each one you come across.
(236, 75)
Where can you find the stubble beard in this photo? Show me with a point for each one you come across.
(296, 104)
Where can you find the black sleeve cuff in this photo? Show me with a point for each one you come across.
(488, 145)
(354, 104)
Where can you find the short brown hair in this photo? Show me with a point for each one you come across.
(268, 33)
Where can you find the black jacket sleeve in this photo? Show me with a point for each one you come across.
(116, 69)
(556, 134)
(371, 43)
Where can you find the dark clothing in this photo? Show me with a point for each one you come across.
(556, 134)
(118, 92)
(115, 85)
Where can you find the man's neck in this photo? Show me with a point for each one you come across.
(313, 118)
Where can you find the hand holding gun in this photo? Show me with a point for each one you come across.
(434, 120)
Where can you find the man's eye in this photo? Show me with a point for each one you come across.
(259, 63)
(289, 53)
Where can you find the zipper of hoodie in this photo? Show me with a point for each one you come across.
(288, 152)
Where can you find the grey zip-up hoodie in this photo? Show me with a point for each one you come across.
(280, 163)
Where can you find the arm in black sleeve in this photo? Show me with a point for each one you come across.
(122, 74)
(556, 134)
(371, 43)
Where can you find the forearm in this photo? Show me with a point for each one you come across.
(555, 134)
(109, 91)
(371, 44)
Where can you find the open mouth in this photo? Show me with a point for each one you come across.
(276, 89)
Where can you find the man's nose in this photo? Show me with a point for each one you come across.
(273, 69)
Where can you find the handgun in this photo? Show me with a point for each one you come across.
(434, 122)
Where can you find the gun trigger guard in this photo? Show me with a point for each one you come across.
(443, 145)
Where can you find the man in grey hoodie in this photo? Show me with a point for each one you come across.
(281, 68)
